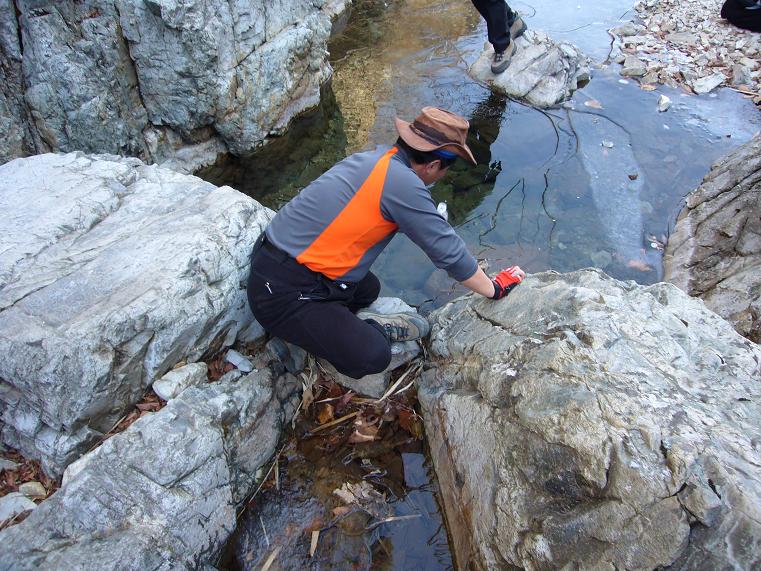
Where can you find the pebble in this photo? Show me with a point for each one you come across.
(663, 103)
(688, 44)
(239, 361)
(33, 490)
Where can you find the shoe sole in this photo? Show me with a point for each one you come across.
(520, 31)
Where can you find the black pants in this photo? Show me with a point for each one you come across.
(737, 13)
(499, 17)
(305, 308)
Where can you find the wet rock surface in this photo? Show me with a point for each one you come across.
(596, 423)
(163, 494)
(112, 273)
(541, 71)
(715, 250)
(688, 44)
(159, 80)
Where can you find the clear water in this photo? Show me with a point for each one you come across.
(590, 183)
(550, 192)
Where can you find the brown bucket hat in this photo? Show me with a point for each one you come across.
(436, 129)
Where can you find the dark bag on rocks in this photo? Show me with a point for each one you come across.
(744, 14)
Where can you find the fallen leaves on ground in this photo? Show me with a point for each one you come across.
(218, 367)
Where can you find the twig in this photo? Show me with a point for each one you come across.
(264, 529)
(334, 422)
(392, 388)
(373, 525)
(745, 92)
(271, 558)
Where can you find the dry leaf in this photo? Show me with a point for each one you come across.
(341, 511)
(638, 265)
(324, 413)
(594, 104)
(648, 87)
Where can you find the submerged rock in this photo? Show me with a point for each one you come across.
(715, 250)
(112, 272)
(589, 423)
(164, 493)
(541, 71)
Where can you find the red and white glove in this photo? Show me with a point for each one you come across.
(506, 280)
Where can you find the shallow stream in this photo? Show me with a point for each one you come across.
(596, 182)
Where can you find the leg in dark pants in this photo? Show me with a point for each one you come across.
(301, 307)
(499, 17)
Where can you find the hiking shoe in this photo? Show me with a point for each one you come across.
(517, 28)
(399, 326)
(501, 60)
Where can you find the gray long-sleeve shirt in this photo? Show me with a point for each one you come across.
(339, 224)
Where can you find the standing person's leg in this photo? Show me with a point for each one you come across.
(495, 12)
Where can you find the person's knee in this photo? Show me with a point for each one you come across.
(373, 359)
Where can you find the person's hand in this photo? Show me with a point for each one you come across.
(506, 280)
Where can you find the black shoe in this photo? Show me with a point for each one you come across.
(501, 60)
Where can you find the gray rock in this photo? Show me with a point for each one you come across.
(706, 84)
(664, 103)
(156, 78)
(15, 134)
(177, 380)
(111, 275)
(580, 422)
(714, 251)
(14, 504)
(633, 67)
(741, 75)
(541, 71)
(627, 29)
(7, 464)
(161, 495)
(251, 334)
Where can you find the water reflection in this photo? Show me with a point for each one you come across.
(585, 184)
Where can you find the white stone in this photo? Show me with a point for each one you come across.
(541, 71)
(111, 275)
(33, 490)
(177, 380)
(663, 103)
(239, 361)
(14, 504)
(633, 67)
(707, 84)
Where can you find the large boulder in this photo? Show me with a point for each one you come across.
(158, 79)
(111, 272)
(542, 71)
(715, 250)
(589, 423)
(163, 494)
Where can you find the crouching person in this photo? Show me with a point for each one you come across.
(310, 274)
